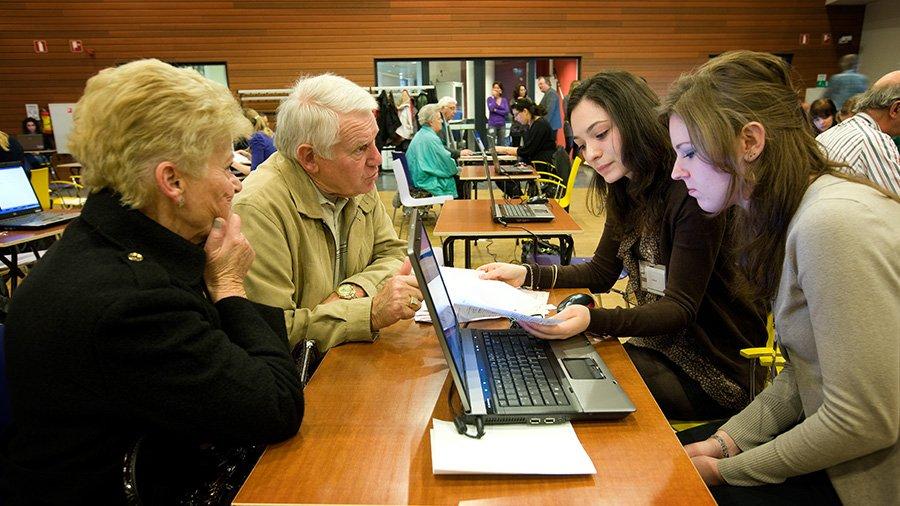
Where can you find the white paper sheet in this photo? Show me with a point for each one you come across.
(509, 449)
(479, 299)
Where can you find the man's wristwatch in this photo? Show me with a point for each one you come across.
(347, 291)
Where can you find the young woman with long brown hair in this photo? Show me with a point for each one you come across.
(823, 246)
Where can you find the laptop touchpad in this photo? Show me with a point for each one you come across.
(582, 368)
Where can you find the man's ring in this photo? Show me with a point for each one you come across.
(413, 302)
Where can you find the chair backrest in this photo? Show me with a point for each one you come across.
(40, 180)
(5, 411)
(566, 199)
(403, 181)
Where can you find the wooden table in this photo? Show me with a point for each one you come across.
(467, 220)
(9, 254)
(364, 439)
(471, 175)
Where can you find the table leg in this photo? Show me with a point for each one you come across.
(468, 253)
(447, 248)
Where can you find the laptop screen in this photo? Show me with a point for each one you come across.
(16, 194)
(436, 295)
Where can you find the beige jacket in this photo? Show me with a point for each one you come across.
(294, 266)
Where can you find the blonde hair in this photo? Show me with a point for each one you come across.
(135, 116)
(4, 141)
(259, 121)
(312, 113)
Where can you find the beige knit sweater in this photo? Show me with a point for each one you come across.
(837, 313)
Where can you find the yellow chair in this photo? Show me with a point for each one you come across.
(552, 185)
(768, 356)
(40, 181)
(67, 194)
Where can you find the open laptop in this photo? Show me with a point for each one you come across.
(510, 376)
(19, 205)
(512, 213)
(31, 142)
(507, 169)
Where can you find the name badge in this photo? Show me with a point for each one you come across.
(653, 277)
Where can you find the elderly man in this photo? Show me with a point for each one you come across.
(448, 110)
(864, 141)
(550, 103)
(326, 251)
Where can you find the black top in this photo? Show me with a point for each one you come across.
(112, 336)
(698, 296)
(15, 153)
(539, 143)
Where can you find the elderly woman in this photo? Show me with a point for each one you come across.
(430, 165)
(135, 324)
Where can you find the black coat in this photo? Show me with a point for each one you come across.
(112, 336)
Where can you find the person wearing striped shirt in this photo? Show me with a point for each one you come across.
(864, 141)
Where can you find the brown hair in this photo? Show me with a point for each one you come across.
(645, 151)
(716, 101)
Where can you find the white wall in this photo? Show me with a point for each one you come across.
(879, 51)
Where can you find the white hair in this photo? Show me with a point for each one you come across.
(428, 112)
(445, 101)
(312, 113)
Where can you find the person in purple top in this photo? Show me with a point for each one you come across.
(498, 108)
(260, 143)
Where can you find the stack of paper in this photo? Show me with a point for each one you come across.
(509, 449)
(480, 299)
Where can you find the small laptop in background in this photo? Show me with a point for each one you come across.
(510, 376)
(20, 208)
(507, 169)
(516, 213)
(31, 142)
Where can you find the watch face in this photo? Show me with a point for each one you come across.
(346, 292)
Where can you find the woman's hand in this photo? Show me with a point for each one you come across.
(228, 258)
(511, 274)
(708, 467)
(576, 320)
(711, 447)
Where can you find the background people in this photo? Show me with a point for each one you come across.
(863, 142)
(550, 103)
(260, 143)
(835, 407)
(498, 109)
(430, 165)
(847, 83)
(517, 130)
(149, 331)
(823, 114)
(687, 330)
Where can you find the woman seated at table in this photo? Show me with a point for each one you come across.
(823, 246)
(260, 143)
(538, 144)
(136, 323)
(689, 323)
(430, 165)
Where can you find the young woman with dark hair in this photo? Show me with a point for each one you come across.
(686, 328)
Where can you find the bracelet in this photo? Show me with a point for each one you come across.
(555, 271)
(725, 452)
(529, 274)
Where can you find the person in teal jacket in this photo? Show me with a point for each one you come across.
(430, 165)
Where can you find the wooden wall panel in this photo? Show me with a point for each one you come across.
(267, 44)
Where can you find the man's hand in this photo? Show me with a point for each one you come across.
(466, 152)
(511, 274)
(228, 258)
(398, 299)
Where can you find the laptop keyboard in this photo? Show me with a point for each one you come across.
(29, 218)
(516, 211)
(521, 370)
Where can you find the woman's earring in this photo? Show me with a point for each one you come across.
(181, 201)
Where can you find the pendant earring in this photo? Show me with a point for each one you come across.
(181, 201)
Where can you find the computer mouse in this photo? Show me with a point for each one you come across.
(581, 299)
(537, 200)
